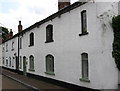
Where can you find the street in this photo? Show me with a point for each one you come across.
(8, 84)
(30, 82)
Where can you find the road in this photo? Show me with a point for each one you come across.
(9, 84)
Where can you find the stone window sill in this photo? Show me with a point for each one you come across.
(84, 80)
(49, 41)
(30, 45)
(32, 70)
(50, 73)
(12, 49)
(86, 33)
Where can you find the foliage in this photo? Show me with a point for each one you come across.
(116, 43)
(4, 33)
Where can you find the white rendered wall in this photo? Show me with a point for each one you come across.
(11, 53)
(68, 46)
(119, 7)
(119, 77)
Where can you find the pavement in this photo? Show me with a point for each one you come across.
(34, 84)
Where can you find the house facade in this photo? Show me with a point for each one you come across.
(74, 46)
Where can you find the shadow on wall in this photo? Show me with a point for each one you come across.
(119, 8)
(0, 70)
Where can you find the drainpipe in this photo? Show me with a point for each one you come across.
(18, 57)
(19, 30)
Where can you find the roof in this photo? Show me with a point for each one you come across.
(57, 14)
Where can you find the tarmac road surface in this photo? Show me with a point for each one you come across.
(11, 85)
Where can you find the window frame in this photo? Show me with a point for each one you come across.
(9, 61)
(13, 59)
(3, 60)
(20, 62)
(49, 33)
(12, 45)
(3, 48)
(84, 31)
(83, 59)
(6, 47)
(31, 63)
(50, 64)
(31, 39)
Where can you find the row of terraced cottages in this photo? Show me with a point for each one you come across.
(73, 46)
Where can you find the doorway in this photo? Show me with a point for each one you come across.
(24, 66)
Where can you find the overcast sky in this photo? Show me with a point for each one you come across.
(28, 11)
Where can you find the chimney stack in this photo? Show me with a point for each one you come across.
(11, 33)
(63, 3)
(7, 36)
(19, 27)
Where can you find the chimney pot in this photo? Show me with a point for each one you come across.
(19, 22)
(19, 27)
(11, 33)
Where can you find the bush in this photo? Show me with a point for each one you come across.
(116, 43)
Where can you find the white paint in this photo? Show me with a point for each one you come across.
(68, 47)
(11, 53)
(119, 8)
(119, 77)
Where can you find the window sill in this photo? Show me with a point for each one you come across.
(30, 45)
(12, 49)
(84, 80)
(32, 70)
(83, 34)
(50, 73)
(49, 41)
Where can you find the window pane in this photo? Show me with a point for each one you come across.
(20, 62)
(31, 62)
(50, 63)
(13, 62)
(85, 69)
(10, 62)
(47, 64)
(84, 21)
(85, 65)
(49, 33)
(31, 39)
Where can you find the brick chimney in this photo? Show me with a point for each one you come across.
(7, 36)
(11, 33)
(63, 3)
(19, 27)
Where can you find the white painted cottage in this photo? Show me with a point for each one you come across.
(72, 46)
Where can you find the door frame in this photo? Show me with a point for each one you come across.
(24, 66)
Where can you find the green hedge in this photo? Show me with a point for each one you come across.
(116, 43)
